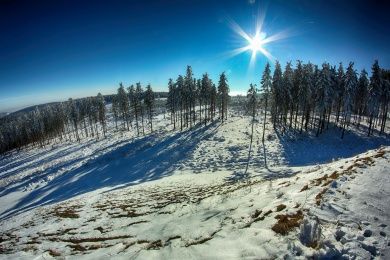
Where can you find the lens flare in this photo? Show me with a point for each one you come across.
(257, 43)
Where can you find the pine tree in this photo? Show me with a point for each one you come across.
(123, 103)
(306, 94)
(223, 92)
(206, 96)
(172, 101)
(288, 84)
(134, 102)
(181, 97)
(188, 94)
(139, 92)
(102, 112)
(297, 86)
(149, 103)
(266, 85)
(361, 95)
(115, 110)
(252, 107)
(385, 97)
(340, 86)
(350, 87)
(324, 95)
(276, 91)
(374, 94)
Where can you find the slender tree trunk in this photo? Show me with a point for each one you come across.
(265, 118)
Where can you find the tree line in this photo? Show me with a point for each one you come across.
(73, 120)
(64, 121)
(192, 100)
(308, 97)
(189, 100)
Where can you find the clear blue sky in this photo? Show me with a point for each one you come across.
(53, 50)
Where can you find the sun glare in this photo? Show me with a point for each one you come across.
(257, 43)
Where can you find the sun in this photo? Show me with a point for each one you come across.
(259, 43)
(255, 43)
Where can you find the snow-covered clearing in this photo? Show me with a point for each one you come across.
(183, 195)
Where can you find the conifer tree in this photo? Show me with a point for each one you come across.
(172, 102)
(276, 91)
(139, 92)
(350, 86)
(374, 95)
(266, 84)
(223, 92)
(102, 112)
(149, 103)
(361, 95)
(123, 105)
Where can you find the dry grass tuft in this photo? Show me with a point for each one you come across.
(319, 196)
(334, 175)
(54, 253)
(306, 187)
(280, 207)
(94, 239)
(201, 240)
(380, 153)
(66, 213)
(78, 247)
(287, 222)
(256, 213)
(318, 181)
(154, 245)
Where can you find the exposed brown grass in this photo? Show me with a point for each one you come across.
(334, 175)
(287, 222)
(78, 247)
(256, 213)
(306, 187)
(54, 253)
(297, 205)
(130, 214)
(201, 240)
(318, 181)
(319, 196)
(94, 239)
(380, 153)
(154, 245)
(137, 222)
(66, 213)
(100, 229)
(172, 238)
(280, 207)
(267, 213)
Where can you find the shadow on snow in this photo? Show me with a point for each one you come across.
(145, 159)
(306, 149)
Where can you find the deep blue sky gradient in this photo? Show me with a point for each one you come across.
(53, 50)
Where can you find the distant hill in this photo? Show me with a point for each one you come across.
(107, 98)
(3, 114)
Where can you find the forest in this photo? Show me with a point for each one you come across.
(308, 98)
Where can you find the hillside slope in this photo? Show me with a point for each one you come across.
(185, 196)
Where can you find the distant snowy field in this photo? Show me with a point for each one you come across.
(183, 195)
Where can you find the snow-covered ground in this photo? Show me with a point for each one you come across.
(184, 195)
